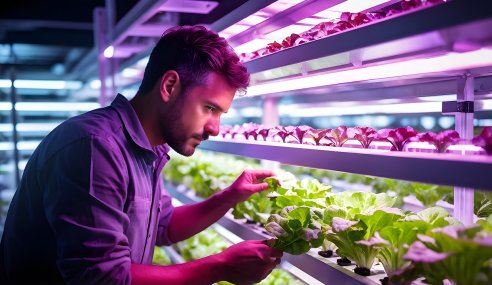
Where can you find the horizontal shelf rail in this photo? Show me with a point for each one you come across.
(445, 18)
(433, 168)
(322, 269)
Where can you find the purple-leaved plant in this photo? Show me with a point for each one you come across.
(484, 140)
(251, 133)
(340, 135)
(317, 135)
(441, 140)
(264, 132)
(398, 137)
(365, 135)
(224, 130)
(284, 132)
(300, 131)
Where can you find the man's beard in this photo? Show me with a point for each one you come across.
(172, 129)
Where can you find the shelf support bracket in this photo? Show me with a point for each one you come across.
(100, 31)
(463, 197)
(270, 119)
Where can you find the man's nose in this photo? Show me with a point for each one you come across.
(213, 126)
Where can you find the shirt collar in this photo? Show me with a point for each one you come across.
(134, 128)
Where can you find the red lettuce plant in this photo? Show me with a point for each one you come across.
(290, 40)
(272, 47)
(251, 133)
(340, 135)
(442, 140)
(224, 130)
(484, 140)
(283, 132)
(355, 19)
(317, 135)
(398, 137)
(410, 4)
(262, 131)
(299, 132)
(365, 135)
(236, 130)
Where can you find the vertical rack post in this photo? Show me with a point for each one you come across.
(100, 29)
(270, 119)
(463, 197)
(15, 134)
(113, 64)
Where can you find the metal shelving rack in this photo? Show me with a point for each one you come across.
(459, 26)
(455, 27)
(430, 168)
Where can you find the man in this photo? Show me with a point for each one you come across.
(91, 207)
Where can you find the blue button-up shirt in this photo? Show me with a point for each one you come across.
(91, 201)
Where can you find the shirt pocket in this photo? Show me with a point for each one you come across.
(139, 210)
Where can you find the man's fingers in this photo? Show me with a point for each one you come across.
(261, 174)
(259, 187)
(277, 253)
(277, 261)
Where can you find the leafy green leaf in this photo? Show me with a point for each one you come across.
(427, 194)
(431, 215)
(289, 200)
(483, 204)
(363, 201)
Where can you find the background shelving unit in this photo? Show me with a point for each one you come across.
(430, 168)
(453, 29)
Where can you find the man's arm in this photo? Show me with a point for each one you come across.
(243, 263)
(191, 219)
(204, 271)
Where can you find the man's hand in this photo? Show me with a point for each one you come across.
(191, 219)
(247, 184)
(248, 262)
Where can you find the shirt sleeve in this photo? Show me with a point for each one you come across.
(166, 209)
(84, 191)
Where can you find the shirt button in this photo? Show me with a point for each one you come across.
(148, 235)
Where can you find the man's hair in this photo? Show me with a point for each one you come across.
(193, 52)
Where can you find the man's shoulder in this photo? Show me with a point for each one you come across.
(104, 123)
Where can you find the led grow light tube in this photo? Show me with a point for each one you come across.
(29, 127)
(50, 106)
(353, 6)
(56, 106)
(294, 111)
(47, 84)
(258, 17)
(449, 62)
(5, 83)
(22, 145)
(5, 106)
(41, 84)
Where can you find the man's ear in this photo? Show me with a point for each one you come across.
(170, 85)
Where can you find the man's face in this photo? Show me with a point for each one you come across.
(197, 116)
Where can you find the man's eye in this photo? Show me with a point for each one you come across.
(210, 108)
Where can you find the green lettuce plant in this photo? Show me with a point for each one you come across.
(460, 254)
(160, 257)
(347, 233)
(258, 208)
(203, 244)
(296, 229)
(393, 241)
(292, 192)
(206, 173)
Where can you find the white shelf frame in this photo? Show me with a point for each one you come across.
(432, 168)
